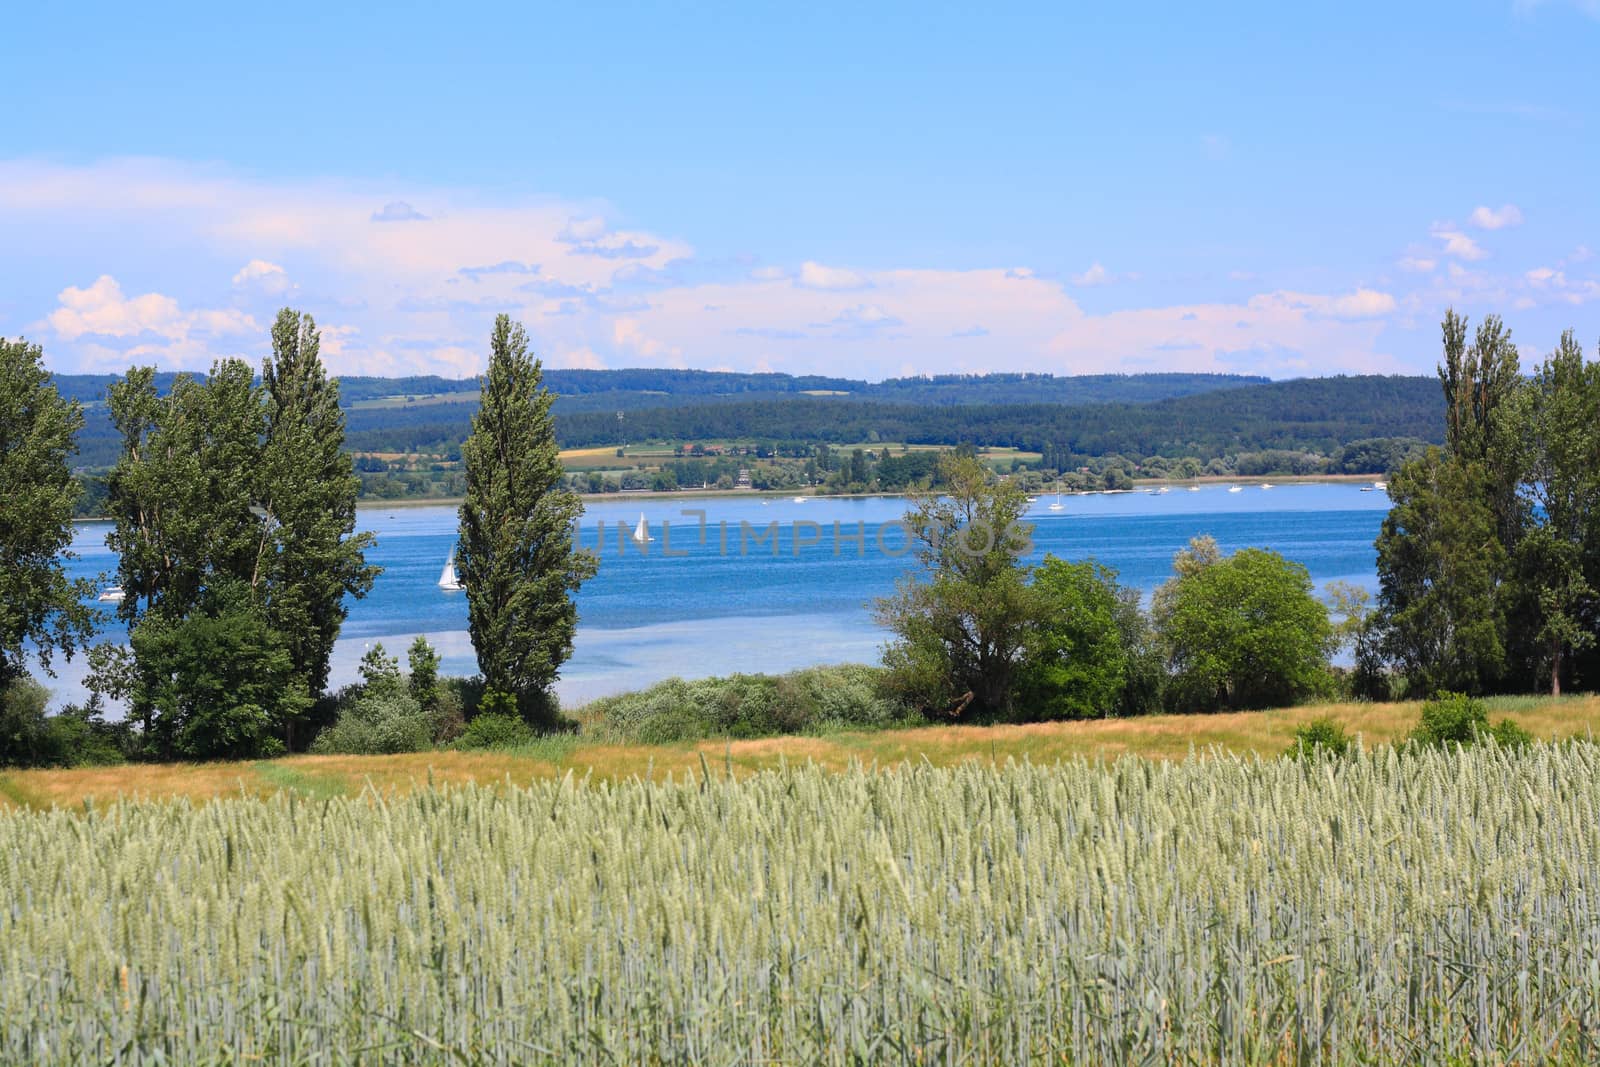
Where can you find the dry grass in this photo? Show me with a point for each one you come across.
(1157, 737)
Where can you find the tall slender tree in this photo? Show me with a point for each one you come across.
(1559, 432)
(234, 512)
(308, 555)
(38, 602)
(517, 556)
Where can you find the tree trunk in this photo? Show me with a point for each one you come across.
(1555, 671)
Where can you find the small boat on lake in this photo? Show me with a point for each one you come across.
(112, 594)
(641, 532)
(448, 581)
(1235, 488)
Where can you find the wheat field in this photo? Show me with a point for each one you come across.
(1392, 908)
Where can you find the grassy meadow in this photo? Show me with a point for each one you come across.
(1164, 737)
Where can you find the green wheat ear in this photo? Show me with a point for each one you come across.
(1430, 906)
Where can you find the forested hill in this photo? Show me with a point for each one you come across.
(1166, 414)
(1313, 414)
(625, 390)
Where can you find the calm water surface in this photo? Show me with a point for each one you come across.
(721, 603)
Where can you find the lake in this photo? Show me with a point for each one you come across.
(766, 585)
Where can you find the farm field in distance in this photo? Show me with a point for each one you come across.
(1163, 737)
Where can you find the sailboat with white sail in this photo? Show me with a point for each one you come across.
(448, 581)
(641, 532)
(1057, 505)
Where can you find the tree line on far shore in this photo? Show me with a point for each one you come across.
(233, 504)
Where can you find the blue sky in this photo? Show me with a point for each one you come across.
(869, 190)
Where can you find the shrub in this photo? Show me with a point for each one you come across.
(1455, 718)
(495, 730)
(1451, 718)
(748, 705)
(75, 737)
(1322, 736)
(25, 736)
(377, 722)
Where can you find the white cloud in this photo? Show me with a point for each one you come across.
(1554, 284)
(864, 317)
(102, 310)
(1487, 218)
(1361, 304)
(1458, 244)
(1095, 275)
(577, 359)
(816, 276)
(1418, 264)
(260, 276)
(421, 298)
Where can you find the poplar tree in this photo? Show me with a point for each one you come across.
(38, 603)
(516, 554)
(308, 554)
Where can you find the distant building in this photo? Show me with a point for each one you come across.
(744, 479)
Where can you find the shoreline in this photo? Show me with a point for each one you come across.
(717, 494)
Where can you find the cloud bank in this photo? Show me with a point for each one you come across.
(207, 256)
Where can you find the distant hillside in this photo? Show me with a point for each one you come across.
(1313, 414)
(393, 414)
(654, 387)
(1319, 415)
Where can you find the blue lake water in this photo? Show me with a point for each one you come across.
(733, 597)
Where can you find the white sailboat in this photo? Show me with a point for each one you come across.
(447, 578)
(1057, 505)
(641, 532)
(112, 594)
(1235, 488)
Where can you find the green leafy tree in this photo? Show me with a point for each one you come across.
(1075, 664)
(1559, 430)
(423, 669)
(1482, 383)
(217, 682)
(1242, 631)
(38, 603)
(961, 626)
(230, 489)
(309, 557)
(1357, 631)
(516, 554)
(181, 494)
(1440, 568)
